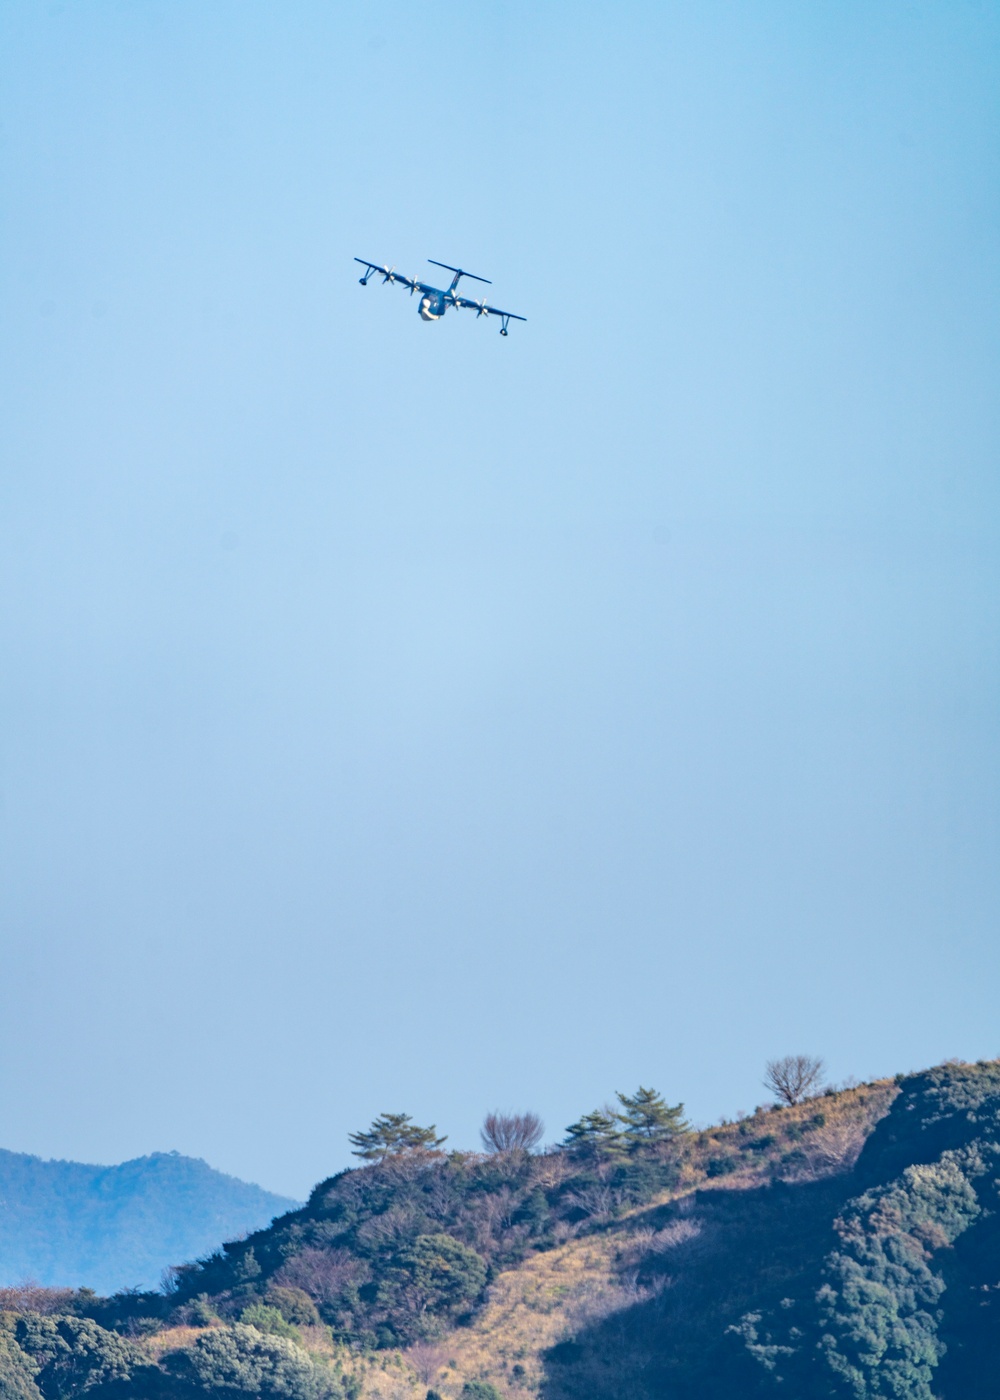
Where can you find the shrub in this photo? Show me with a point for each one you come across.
(294, 1304)
(479, 1390)
(268, 1320)
(241, 1363)
(201, 1313)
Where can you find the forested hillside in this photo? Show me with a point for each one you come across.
(842, 1244)
(69, 1223)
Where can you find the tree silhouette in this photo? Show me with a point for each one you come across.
(647, 1118)
(511, 1132)
(391, 1134)
(792, 1078)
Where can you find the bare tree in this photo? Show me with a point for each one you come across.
(427, 1360)
(32, 1297)
(792, 1078)
(325, 1274)
(511, 1132)
(596, 1201)
(835, 1147)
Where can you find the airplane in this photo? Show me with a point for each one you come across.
(434, 302)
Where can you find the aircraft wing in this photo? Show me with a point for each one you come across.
(485, 310)
(389, 274)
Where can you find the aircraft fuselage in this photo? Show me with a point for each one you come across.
(432, 306)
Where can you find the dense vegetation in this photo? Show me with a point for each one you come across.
(762, 1257)
(878, 1282)
(61, 1357)
(871, 1322)
(67, 1223)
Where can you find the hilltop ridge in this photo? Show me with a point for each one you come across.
(113, 1227)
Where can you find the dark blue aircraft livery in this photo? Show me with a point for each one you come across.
(433, 301)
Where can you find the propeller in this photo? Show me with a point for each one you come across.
(388, 276)
(483, 309)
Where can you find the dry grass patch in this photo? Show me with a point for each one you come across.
(170, 1339)
(545, 1301)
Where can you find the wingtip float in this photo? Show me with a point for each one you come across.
(434, 301)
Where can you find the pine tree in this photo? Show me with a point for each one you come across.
(596, 1134)
(648, 1119)
(390, 1134)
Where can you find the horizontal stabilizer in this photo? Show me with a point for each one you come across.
(461, 272)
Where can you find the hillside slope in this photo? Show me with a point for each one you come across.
(69, 1223)
(880, 1281)
(848, 1247)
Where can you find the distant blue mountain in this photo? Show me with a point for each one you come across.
(69, 1224)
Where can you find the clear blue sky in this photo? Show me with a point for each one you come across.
(394, 716)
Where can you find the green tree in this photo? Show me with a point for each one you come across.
(268, 1319)
(596, 1134)
(74, 1356)
(240, 1363)
(17, 1372)
(294, 1304)
(246, 1268)
(435, 1274)
(479, 1390)
(647, 1118)
(200, 1312)
(392, 1133)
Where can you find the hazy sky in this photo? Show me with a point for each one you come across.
(395, 716)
